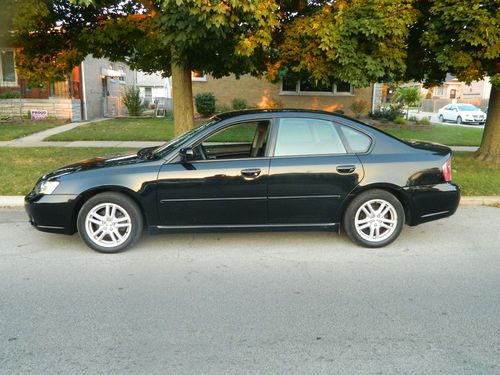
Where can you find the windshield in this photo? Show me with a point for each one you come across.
(179, 140)
(467, 107)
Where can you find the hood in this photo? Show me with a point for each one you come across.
(99, 162)
(435, 148)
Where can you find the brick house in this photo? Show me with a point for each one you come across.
(287, 94)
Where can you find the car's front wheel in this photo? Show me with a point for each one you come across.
(441, 118)
(374, 218)
(110, 222)
(459, 120)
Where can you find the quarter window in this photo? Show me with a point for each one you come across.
(298, 136)
(358, 142)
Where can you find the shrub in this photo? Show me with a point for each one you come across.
(424, 121)
(205, 103)
(339, 111)
(407, 96)
(413, 118)
(222, 108)
(10, 95)
(358, 107)
(4, 117)
(389, 113)
(400, 121)
(239, 104)
(132, 100)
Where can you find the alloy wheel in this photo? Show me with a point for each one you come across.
(108, 225)
(376, 220)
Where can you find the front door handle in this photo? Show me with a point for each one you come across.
(346, 169)
(250, 173)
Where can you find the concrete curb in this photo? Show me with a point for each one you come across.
(17, 201)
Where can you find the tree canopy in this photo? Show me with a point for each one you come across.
(358, 41)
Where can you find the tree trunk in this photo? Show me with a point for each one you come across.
(182, 93)
(490, 144)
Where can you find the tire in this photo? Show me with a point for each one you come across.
(459, 120)
(374, 231)
(441, 118)
(110, 222)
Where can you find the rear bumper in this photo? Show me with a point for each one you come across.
(51, 213)
(432, 202)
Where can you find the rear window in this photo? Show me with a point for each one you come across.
(358, 141)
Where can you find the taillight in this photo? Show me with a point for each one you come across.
(447, 170)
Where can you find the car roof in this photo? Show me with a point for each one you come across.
(228, 115)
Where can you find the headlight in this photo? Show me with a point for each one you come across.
(46, 187)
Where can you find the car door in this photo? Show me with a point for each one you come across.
(447, 112)
(453, 113)
(311, 172)
(226, 183)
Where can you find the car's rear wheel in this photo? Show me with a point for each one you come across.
(441, 118)
(110, 222)
(459, 120)
(374, 218)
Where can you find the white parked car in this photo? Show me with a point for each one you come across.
(462, 113)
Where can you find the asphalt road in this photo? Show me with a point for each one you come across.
(258, 303)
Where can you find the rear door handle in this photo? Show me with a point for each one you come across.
(346, 169)
(250, 173)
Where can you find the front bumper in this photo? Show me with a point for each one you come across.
(52, 213)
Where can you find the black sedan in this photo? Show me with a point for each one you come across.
(287, 169)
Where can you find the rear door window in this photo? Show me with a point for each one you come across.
(303, 136)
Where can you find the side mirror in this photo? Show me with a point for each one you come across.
(186, 154)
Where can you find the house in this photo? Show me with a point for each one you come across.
(92, 90)
(152, 86)
(454, 91)
(102, 85)
(452, 88)
(287, 93)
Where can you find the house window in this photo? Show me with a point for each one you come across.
(7, 66)
(121, 69)
(343, 88)
(198, 76)
(440, 90)
(308, 87)
(148, 95)
(453, 94)
(289, 85)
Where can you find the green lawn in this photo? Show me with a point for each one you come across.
(475, 178)
(445, 134)
(157, 129)
(21, 167)
(126, 129)
(13, 130)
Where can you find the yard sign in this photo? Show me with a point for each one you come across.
(39, 114)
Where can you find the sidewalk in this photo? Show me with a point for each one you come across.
(36, 139)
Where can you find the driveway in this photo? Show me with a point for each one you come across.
(266, 303)
(434, 117)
